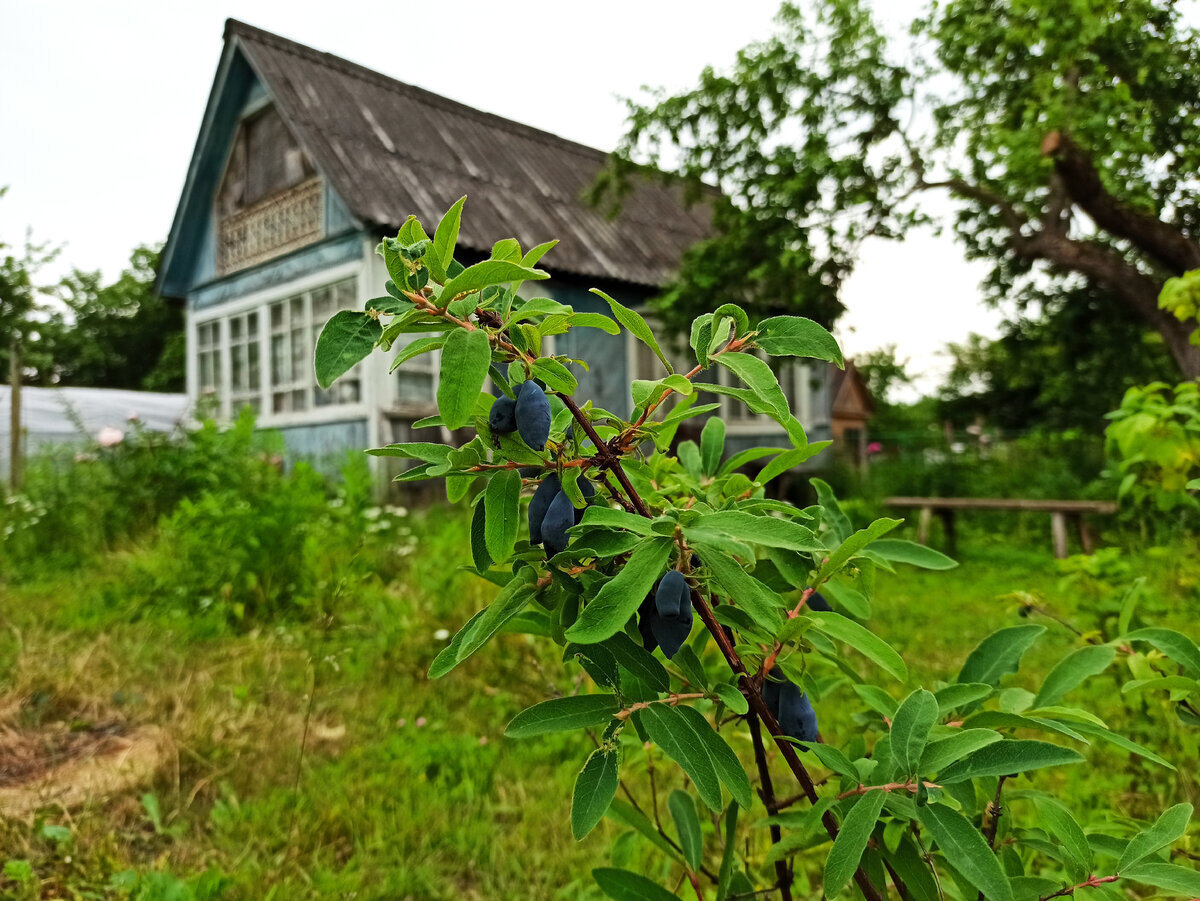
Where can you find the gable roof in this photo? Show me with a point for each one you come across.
(389, 149)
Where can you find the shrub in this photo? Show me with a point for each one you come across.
(914, 798)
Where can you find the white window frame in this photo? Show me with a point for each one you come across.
(261, 302)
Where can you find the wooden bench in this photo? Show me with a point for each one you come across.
(946, 507)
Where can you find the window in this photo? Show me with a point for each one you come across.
(285, 331)
(416, 380)
(245, 382)
(208, 357)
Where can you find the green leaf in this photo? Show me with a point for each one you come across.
(347, 338)
(622, 885)
(670, 730)
(507, 249)
(729, 769)
(1121, 742)
(762, 604)
(598, 517)
(898, 550)
(444, 240)
(959, 695)
(732, 698)
(760, 379)
(955, 747)
(687, 827)
(479, 551)
(1072, 670)
(635, 324)
(851, 546)
(619, 598)
(638, 661)
(712, 444)
(1169, 827)
(502, 500)
(644, 391)
(594, 790)
(487, 622)
(1059, 822)
(1175, 645)
(999, 654)
(536, 253)
(482, 275)
(414, 450)
(910, 729)
(768, 531)
(861, 639)
(561, 714)
(556, 376)
(593, 320)
(966, 850)
(795, 336)
(415, 348)
(727, 858)
(1183, 882)
(465, 360)
(851, 841)
(1008, 757)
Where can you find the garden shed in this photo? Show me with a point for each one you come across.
(305, 160)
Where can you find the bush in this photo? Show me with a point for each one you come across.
(80, 502)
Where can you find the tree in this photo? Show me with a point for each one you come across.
(25, 317)
(1067, 136)
(121, 335)
(1063, 362)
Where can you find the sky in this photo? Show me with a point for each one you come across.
(100, 104)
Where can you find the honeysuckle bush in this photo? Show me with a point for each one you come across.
(937, 792)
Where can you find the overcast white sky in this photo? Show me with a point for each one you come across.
(100, 103)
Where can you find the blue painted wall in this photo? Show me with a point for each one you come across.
(306, 260)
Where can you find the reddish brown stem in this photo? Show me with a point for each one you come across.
(1090, 882)
(749, 686)
(782, 877)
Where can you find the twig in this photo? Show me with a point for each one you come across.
(891, 786)
(782, 877)
(673, 700)
(1090, 882)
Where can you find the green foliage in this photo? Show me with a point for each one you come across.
(750, 564)
(1030, 115)
(1153, 443)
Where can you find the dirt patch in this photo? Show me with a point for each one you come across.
(66, 767)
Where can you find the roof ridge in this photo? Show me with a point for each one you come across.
(357, 70)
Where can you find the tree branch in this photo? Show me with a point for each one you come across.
(1149, 234)
(782, 877)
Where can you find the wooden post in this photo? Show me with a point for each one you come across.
(1086, 539)
(15, 464)
(1058, 531)
(923, 525)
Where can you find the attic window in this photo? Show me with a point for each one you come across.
(265, 160)
(271, 200)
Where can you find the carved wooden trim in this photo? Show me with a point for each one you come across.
(271, 227)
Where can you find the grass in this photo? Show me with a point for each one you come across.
(406, 788)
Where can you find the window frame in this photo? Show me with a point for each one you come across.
(261, 301)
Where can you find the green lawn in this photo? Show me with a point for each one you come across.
(407, 787)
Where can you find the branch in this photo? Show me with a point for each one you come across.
(890, 787)
(1090, 882)
(750, 687)
(782, 877)
(1149, 234)
(994, 824)
(1009, 213)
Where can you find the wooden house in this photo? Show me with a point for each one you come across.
(304, 161)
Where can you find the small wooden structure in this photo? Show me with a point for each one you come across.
(946, 507)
